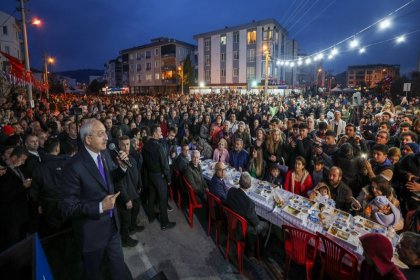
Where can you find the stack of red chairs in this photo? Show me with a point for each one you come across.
(215, 207)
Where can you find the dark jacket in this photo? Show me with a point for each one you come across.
(239, 202)
(155, 160)
(238, 159)
(218, 188)
(131, 184)
(181, 163)
(342, 196)
(194, 176)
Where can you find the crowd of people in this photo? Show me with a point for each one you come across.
(59, 165)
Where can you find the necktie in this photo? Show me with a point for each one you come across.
(102, 171)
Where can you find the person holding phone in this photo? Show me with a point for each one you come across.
(89, 199)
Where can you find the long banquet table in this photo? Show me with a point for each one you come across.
(298, 211)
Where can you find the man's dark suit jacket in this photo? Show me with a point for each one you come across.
(239, 202)
(83, 189)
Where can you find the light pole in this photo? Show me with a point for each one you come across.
(47, 60)
(181, 76)
(266, 52)
(25, 46)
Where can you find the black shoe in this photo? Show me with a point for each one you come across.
(130, 242)
(168, 226)
(170, 208)
(136, 229)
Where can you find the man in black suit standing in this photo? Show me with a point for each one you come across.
(88, 198)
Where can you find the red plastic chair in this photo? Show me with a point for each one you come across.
(301, 247)
(233, 221)
(337, 262)
(192, 202)
(177, 181)
(215, 214)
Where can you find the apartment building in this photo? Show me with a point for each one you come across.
(370, 75)
(236, 56)
(113, 72)
(154, 67)
(9, 38)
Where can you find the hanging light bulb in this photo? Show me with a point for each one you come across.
(282, 63)
(287, 63)
(292, 64)
(330, 56)
(278, 62)
(308, 60)
(400, 39)
(384, 24)
(320, 56)
(334, 51)
(362, 50)
(299, 62)
(354, 43)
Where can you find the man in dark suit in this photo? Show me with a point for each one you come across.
(88, 198)
(239, 202)
(157, 169)
(217, 185)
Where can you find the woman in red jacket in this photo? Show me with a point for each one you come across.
(298, 181)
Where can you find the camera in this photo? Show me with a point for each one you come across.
(75, 111)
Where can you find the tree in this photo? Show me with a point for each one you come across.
(95, 86)
(188, 73)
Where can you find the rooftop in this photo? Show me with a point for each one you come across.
(160, 41)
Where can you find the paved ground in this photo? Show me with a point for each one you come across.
(185, 253)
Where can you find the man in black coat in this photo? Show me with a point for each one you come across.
(45, 188)
(89, 199)
(128, 202)
(239, 202)
(13, 200)
(157, 169)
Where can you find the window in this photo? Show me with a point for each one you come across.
(251, 55)
(148, 54)
(156, 64)
(236, 37)
(7, 49)
(223, 40)
(207, 44)
(156, 76)
(138, 67)
(207, 60)
(222, 57)
(148, 66)
(139, 78)
(252, 37)
(235, 55)
(250, 73)
(131, 56)
(207, 75)
(131, 67)
(235, 72)
(156, 52)
(5, 30)
(267, 35)
(222, 73)
(138, 56)
(148, 77)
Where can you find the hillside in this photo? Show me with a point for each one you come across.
(81, 75)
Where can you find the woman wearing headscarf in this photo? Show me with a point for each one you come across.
(378, 252)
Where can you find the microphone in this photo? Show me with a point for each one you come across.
(112, 147)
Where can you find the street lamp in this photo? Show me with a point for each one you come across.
(25, 46)
(47, 60)
(181, 76)
(267, 53)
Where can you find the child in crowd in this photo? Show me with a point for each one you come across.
(274, 176)
(321, 194)
(318, 174)
(383, 212)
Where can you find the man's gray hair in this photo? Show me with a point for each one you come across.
(245, 180)
(195, 152)
(86, 128)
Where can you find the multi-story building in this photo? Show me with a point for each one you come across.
(10, 41)
(370, 75)
(113, 72)
(236, 56)
(154, 67)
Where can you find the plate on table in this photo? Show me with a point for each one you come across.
(339, 233)
(292, 211)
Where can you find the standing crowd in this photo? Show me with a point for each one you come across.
(362, 159)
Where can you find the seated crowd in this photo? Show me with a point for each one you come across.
(367, 165)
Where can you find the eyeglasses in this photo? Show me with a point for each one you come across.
(98, 134)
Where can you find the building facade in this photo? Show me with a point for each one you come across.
(236, 56)
(113, 72)
(154, 67)
(370, 75)
(10, 41)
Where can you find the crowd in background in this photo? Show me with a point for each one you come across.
(361, 159)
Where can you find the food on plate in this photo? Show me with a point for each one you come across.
(292, 210)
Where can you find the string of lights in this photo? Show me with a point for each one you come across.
(353, 42)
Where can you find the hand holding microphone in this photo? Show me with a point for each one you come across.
(121, 156)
